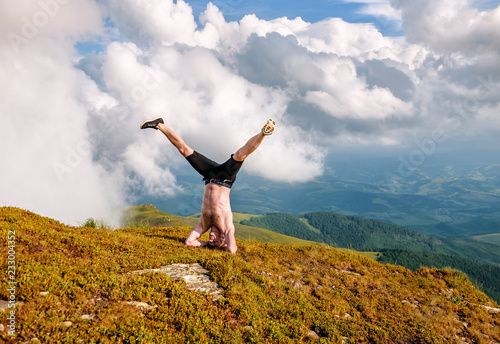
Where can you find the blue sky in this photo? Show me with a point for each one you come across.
(310, 11)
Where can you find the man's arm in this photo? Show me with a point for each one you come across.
(231, 241)
(231, 244)
(196, 233)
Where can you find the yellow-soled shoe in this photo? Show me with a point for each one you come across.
(268, 128)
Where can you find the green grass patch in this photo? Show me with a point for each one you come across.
(489, 238)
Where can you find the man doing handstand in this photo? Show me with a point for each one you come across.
(216, 213)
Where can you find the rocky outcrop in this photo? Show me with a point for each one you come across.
(197, 278)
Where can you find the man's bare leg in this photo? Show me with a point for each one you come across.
(254, 142)
(249, 147)
(176, 140)
(158, 124)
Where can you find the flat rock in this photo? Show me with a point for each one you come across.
(197, 278)
(491, 309)
(4, 305)
(141, 305)
(312, 335)
(67, 323)
(87, 316)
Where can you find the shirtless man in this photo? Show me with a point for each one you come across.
(216, 213)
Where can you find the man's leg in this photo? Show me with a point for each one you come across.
(158, 124)
(254, 142)
(176, 140)
(249, 147)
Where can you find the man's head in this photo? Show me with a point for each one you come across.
(216, 238)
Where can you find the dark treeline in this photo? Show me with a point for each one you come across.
(287, 224)
(345, 231)
(362, 234)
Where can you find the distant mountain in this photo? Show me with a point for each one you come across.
(450, 206)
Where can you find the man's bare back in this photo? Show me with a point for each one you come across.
(216, 213)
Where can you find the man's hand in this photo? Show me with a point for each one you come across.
(216, 238)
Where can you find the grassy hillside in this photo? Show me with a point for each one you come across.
(148, 215)
(486, 276)
(490, 238)
(371, 235)
(74, 286)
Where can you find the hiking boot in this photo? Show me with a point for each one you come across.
(268, 128)
(152, 123)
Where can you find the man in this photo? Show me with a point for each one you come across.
(216, 211)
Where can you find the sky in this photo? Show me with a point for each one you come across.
(77, 78)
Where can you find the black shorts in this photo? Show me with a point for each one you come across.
(222, 174)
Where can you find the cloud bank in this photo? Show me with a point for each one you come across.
(71, 146)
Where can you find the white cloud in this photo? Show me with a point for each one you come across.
(339, 37)
(153, 21)
(451, 26)
(380, 8)
(382, 14)
(288, 157)
(43, 118)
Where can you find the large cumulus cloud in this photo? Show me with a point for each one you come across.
(43, 115)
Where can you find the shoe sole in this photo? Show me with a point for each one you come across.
(268, 128)
(149, 120)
